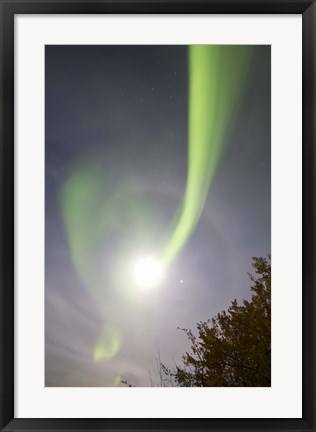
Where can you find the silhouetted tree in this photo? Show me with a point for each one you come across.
(233, 349)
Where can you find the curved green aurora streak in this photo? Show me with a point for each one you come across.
(216, 78)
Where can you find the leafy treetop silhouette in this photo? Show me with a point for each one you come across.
(233, 349)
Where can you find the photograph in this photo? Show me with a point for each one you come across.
(157, 216)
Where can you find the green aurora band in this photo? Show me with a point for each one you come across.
(216, 78)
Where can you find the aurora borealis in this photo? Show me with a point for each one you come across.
(216, 77)
(157, 151)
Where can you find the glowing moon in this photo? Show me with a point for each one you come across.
(147, 272)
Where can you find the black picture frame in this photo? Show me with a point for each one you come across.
(8, 9)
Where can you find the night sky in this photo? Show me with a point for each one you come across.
(116, 167)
